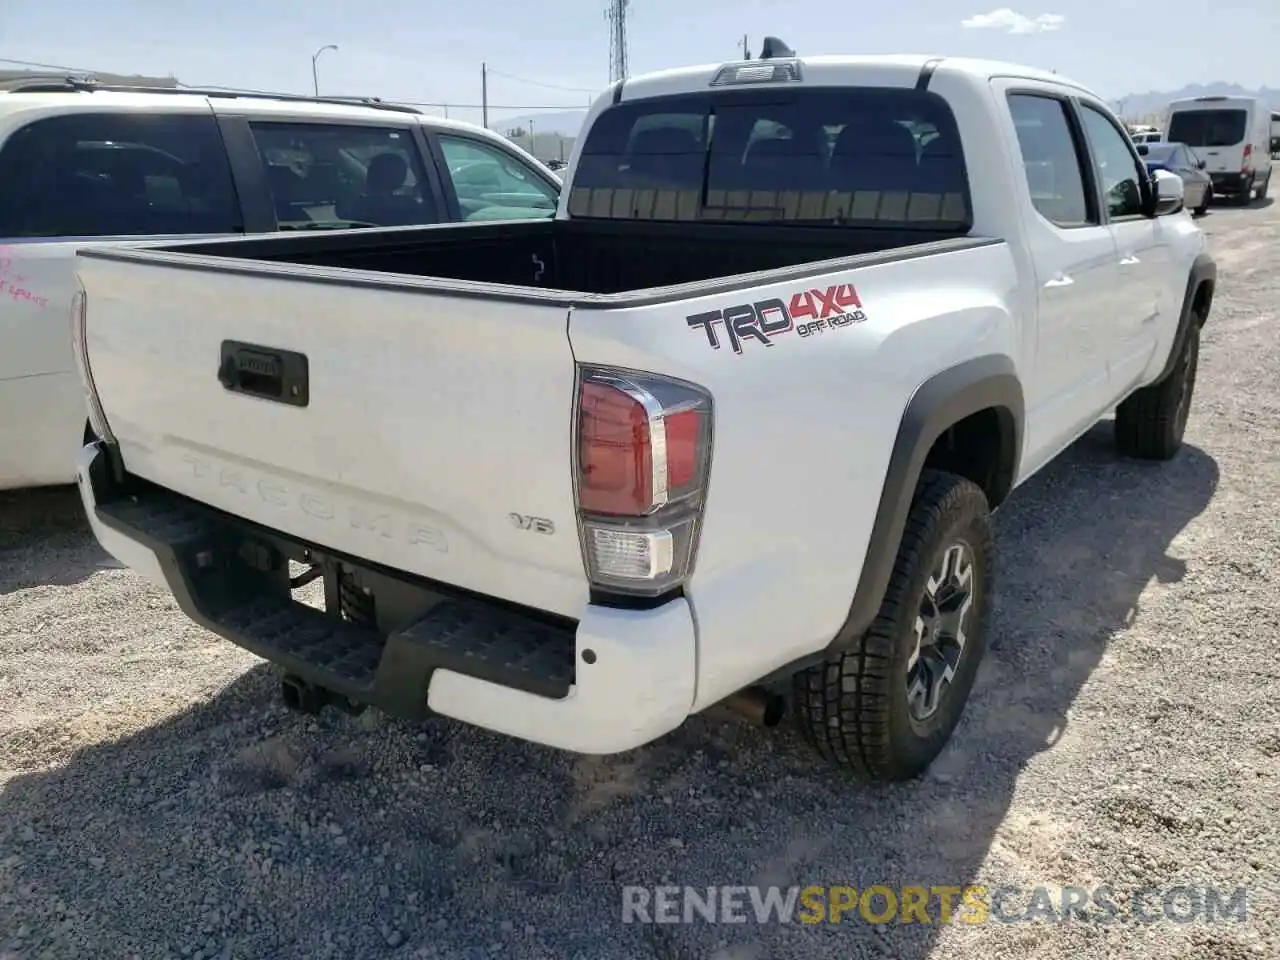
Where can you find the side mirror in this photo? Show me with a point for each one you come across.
(1201, 164)
(1170, 193)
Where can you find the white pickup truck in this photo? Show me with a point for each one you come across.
(728, 429)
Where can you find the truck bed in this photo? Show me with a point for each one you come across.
(576, 256)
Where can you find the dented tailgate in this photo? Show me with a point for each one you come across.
(423, 431)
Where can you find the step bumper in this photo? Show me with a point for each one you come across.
(612, 681)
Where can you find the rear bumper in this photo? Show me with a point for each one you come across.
(1231, 182)
(615, 680)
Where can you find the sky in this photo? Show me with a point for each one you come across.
(554, 54)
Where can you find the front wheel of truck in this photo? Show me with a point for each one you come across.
(885, 707)
(1150, 424)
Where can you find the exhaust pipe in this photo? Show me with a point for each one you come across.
(758, 705)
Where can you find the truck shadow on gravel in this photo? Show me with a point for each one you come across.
(45, 540)
(236, 829)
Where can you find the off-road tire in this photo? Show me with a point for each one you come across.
(853, 708)
(1150, 422)
(1201, 210)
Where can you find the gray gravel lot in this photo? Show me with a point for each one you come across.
(156, 800)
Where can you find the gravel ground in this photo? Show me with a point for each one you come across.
(156, 800)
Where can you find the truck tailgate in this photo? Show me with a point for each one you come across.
(433, 424)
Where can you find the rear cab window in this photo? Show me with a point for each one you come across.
(341, 175)
(861, 156)
(117, 174)
(1218, 127)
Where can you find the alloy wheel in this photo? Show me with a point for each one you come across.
(940, 631)
(1187, 378)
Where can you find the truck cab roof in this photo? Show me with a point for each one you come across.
(895, 70)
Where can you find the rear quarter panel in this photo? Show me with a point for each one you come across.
(803, 431)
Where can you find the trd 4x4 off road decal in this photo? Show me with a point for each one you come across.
(808, 312)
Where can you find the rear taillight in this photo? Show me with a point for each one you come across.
(80, 346)
(1248, 156)
(643, 457)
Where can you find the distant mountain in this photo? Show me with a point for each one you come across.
(1138, 106)
(566, 123)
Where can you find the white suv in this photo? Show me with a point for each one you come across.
(82, 162)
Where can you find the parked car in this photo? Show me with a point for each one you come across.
(1150, 136)
(80, 161)
(728, 429)
(1233, 135)
(1181, 160)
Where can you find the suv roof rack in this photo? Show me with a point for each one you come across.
(64, 83)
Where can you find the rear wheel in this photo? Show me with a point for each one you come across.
(1246, 195)
(886, 707)
(1151, 422)
(1262, 190)
(1203, 208)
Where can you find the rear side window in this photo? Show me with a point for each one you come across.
(329, 174)
(1050, 159)
(105, 174)
(492, 184)
(861, 156)
(1208, 128)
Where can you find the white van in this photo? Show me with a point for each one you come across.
(1232, 135)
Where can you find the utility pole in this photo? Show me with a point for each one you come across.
(616, 14)
(484, 95)
(746, 50)
(315, 77)
(533, 143)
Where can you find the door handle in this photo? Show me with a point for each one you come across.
(1061, 280)
(1129, 260)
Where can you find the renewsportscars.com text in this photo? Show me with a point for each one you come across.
(942, 904)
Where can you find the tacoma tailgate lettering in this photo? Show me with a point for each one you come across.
(380, 523)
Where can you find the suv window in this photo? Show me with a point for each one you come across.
(343, 174)
(1117, 168)
(492, 184)
(866, 156)
(1050, 158)
(117, 174)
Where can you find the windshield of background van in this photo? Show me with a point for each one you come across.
(1208, 128)
(875, 157)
